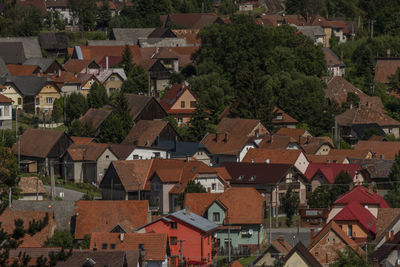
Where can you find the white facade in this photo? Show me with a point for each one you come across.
(147, 153)
(156, 263)
(5, 116)
(301, 163)
(244, 151)
(211, 182)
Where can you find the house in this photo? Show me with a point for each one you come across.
(87, 163)
(262, 155)
(186, 151)
(387, 254)
(190, 20)
(326, 26)
(179, 102)
(150, 132)
(111, 79)
(325, 245)
(8, 218)
(46, 65)
(190, 236)
(21, 70)
(15, 50)
(116, 258)
(317, 145)
(143, 107)
(130, 36)
(336, 67)
(95, 117)
(338, 89)
(379, 149)
(271, 180)
(9, 89)
(241, 209)
(68, 83)
(386, 67)
(34, 253)
(364, 196)
(301, 135)
(351, 153)
(5, 112)
(87, 80)
(82, 66)
(42, 152)
(154, 244)
(280, 142)
(31, 188)
(54, 43)
(282, 119)
(357, 222)
(242, 127)
(109, 216)
(3, 69)
(315, 33)
(132, 152)
(277, 250)
(301, 257)
(62, 7)
(340, 30)
(326, 173)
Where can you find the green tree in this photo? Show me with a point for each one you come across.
(349, 257)
(85, 244)
(97, 96)
(127, 60)
(75, 106)
(198, 125)
(11, 23)
(8, 173)
(137, 82)
(84, 11)
(58, 109)
(290, 202)
(77, 128)
(60, 238)
(7, 138)
(393, 195)
(103, 15)
(394, 81)
(54, 20)
(191, 187)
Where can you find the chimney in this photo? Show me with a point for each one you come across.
(94, 245)
(387, 236)
(391, 235)
(121, 237)
(226, 137)
(188, 210)
(311, 234)
(388, 53)
(187, 158)
(106, 62)
(87, 69)
(268, 161)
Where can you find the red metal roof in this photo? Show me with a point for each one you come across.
(356, 212)
(362, 195)
(331, 170)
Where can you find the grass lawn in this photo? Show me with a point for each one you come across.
(246, 261)
(281, 222)
(81, 187)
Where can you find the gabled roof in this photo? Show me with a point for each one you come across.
(78, 65)
(190, 35)
(180, 149)
(225, 144)
(145, 132)
(28, 85)
(237, 126)
(88, 152)
(296, 134)
(173, 94)
(301, 250)
(121, 151)
(31, 47)
(101, 258)
(331, 58)
(315, 143)
(12, 52)
(95, 117)
(386, 219)
(356, 212)
(22, 70)
(366, 114)
(386, 248)
(43, 63)
(260, 155)
(53, 40)
(133, 174)
(279, 244)
(350, 153)
(326, 158)
(285, 118)
(78, 140)
(337, 89)
(32, 143)
(39, 4)
(31, 185)
(277, 141)
(380, 149)
(136, 103)
(361, 195)
(331, 170)
(256, 173)
(155, 244)
(194, 220)
(131, 34)
(332, 226)
(200, 202)
(4, 99)
(376, 168)
(384, 68)
(3, 68)
(103, 216)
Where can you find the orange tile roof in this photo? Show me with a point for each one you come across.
(259, 155)
(277, 142)
(326, 158)
(281, 245)
(286, 118)
(103, 216)
(155, 244)
(22, 70)
(237, 126)
(219, 144)
(133, 173)
(294, 133)
(350, 153)
(4, 99)
(237, 264)
(199, 202)
(380, 149)
(76, 65)
(78, 140)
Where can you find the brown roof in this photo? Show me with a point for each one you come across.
(65, 78)
(32, 143)
(304, 253)
(219, 144)
(136, 103)
(78, 140)
(277, 141)
(95, 116)
(4, 99)
(315, 144)
(380, 149)
(350, 153)
(190, 20)
(237, 126)
(385, 219)
(337, 89)
(89, 152)
(8, 217)
(240, 202)
(155, 244)
(385, 67)
(286, 118)
(31, 185)
(326, 158)
(331, 58)
(121, 151)
(173, 95)
(76, 65)
(103, 216)
(191, 35)
(22, 70)
(281, 245)
(114, 258)
(33, 252)
(259, 155)
(39, 4)
(133, 173)
(145, 132)
(292, 132)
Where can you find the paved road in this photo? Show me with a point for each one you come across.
(290, 235)
(69, 194)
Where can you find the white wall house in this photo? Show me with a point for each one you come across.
(211, 182)
(5, 112)
(147, 153)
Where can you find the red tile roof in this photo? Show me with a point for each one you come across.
(78, 140)
(155, 244)
(361, 195)
(331, 170)
(4, 99)
(103, 216)
(22, 70)
(356, 212)
(259, 155)
(145, 132)
(385, 67)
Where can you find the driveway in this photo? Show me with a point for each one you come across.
(68, 193)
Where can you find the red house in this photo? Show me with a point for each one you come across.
(190, 237)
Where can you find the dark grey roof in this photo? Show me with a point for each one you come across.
(62, 210)
(30, 44)
(3, 68)
(360, 129)
(162, 33)
(109, 43)
(178, 149)
(131, 34)
(195, 220)
(12, 53)
(311, 31)
(53, 40)
(377, 168)
(43, 63)
(28, 85)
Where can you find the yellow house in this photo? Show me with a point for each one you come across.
(87, 81)
(11, 91)
(113, 82)
(299, 256)
(44, 100)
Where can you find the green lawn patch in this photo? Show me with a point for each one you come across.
(246, 261)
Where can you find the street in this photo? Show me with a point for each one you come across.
(69, 194)
(290, 235)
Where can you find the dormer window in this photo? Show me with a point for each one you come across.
(253, 178)
(240, 178)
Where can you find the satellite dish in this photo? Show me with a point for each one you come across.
(215, 235)
(250, 231)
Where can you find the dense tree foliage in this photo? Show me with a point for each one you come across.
(20, 20)
(393, 195)
(349, 257)
(97, 96)
(7, 138)
(60, 238)
(75, 106)
(290, 202)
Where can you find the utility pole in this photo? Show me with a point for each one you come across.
(53, 189)
(270, 218)
(65, 110)
(16, 138)
(65, 177)
(37, 189)
(9, 197)
(139, 191)
(229, 245)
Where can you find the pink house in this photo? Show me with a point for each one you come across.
(190, 237)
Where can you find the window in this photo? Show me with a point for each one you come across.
(156, 154)
(390, 130)
(37, 101)
(182, 104)
(112, 78)
(135, 156)
(192, 104)
(213, 187)
(107, 156)
(111, 90)
(350, 230)
(216, 217)
(180, 121)
(49, 100)
(19, 101)
(104, 246)
(112, 246)
(174, 225)
(174, 240)
(1, 112)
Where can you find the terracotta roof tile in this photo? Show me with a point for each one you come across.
(133, 173)
(380, 149)
(78, 140)
(4, 99)
(331, 58)
(31, 185)
(145, 132)
(103, 216)
(281, 245)
(385, 219)
(95, 117)
(286, 118)
(350, 153)
(122, 151)
(277, 142)
(260, 155)
(191, 20)
(76, 65)
(294, 133)
(89, 152)
(219, 144)
(170, 97)
(155, 244)
(237, 264)
(338, 88)
(385, 67)
(22, 70)
(237, 126)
